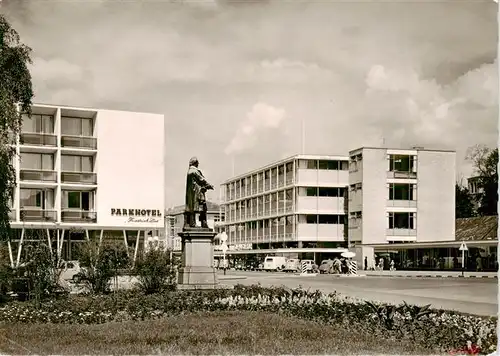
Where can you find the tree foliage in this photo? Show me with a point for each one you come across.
(101, 264)
(485, 162)
(464, 207)
(15, 89)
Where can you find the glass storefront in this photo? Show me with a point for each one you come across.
(475, 259)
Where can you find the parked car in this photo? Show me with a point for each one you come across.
(70, 270)
(292, 265)
(326, 266)
(309, 265)
(274, 263)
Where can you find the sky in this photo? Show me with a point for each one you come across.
(236, 79)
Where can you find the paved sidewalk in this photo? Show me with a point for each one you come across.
(429, 274)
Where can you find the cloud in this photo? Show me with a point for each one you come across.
(204, 64)
(262, 117)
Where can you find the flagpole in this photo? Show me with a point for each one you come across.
(303, 133)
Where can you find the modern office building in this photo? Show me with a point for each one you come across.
(400, 196)
(88, 173)
(296, 205)
(175, 221)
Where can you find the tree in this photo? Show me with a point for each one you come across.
(464, 208)
(485, 161)
(15, 89)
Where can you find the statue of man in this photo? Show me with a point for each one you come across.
(196, 187)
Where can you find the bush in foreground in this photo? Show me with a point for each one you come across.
(155, 270)
(435, 330)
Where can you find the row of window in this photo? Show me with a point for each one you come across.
(321, 191)
(278, 176)
(44, 124)
(396, 220)
(396, 163)
(44, 161)
(288, 220)
(44, 199)
(397, 191)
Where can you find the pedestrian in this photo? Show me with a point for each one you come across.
(337, 265)
(479, 263)
(366, 263)
(392, 266)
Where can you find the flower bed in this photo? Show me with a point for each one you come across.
(437, 330)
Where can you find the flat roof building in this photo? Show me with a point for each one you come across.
(400, 196)
(84, 173)
(297, 202)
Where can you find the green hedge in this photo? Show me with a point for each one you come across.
(437, 330)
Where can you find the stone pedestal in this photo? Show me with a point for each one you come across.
(197, 271)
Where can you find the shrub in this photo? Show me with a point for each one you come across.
(155, 270)
(101, 262)
(6, 274)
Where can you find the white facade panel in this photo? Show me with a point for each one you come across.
(331, 232)
(330, 205)
(436, 196)
(307, 177)
(130, 168)
(374, 190)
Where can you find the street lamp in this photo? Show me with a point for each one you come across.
(223, 239)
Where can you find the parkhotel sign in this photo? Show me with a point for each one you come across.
(138, 215)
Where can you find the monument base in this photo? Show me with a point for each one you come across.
(197, 271)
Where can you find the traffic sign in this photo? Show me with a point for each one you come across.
(463, 247)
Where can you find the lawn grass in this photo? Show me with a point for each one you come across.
(221, 333)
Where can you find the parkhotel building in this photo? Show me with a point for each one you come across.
(88, 174)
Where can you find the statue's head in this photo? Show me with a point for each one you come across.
(193, 162)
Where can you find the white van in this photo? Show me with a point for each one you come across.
(274, 263)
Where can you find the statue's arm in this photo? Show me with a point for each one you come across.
(202, 182)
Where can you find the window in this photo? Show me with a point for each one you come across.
(311, 191)
(328, 192)
(400, 163)
(311, 219)
(38, 123)
(289, 168)
(77, 163)
(32, 198)
(329, 165)
(75, 126)
(312, 164)
(37, 161)
(76, 200)
(401, 220)
(344, 165)
(400, 191)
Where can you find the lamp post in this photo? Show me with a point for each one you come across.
(223, 239)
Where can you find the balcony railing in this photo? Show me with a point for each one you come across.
(401, 232)
(79, 142)
(38, 215)
(37, 139)
(79, 216)
(38, 175)
(402, 203)
(402, 175)
(79, 177)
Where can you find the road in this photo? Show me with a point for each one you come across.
(468, 295)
